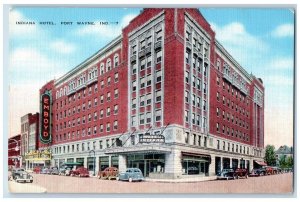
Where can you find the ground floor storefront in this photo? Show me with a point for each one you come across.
(157, 161)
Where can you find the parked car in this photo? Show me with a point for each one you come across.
(226, 174)
(37, 170)
(81, 172)
(131, 174)
(20, 175)
(240, 172)
(64, 170)
(54, 171)
(108, 173)
(266, 170)
(45, 171)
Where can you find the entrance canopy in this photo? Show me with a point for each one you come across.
(139, 149)
(261, 163)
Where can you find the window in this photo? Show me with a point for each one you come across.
(116, 93)
(107, 127)
(149, 77)
(116, 77)
(95, 116)
(158, 96)
(116, 109)
(158, 56)
(82, 147)
(108, 111)
(143, 64)
(193, 118)
(218, 96)
(142, 119)
(108, 96)
(101, 128)
(187, 77)
(95, 101)
(107, 143)
(133, 121)
(142, 81)
(186, 95)
(134, 86)
(83, 119)
(198, 120)
(89, 131)
(149, 60)
(116, 60)
(100, 144)
(194, 81)
(158, 115)
(115, 125)
(194, 62)
(218, 111)
(187, 56)
(204, 87)
(101, 113)
(188, 36)
(108, 81)
(149, 98)
(159, 35)
(223, 145)
(89, 104)
(101, 69)
(96, 88)
(148, 117)
(187, 137)
(194, 99)
(218, 127)
(158, 76)
(198, 102)
(133, 103)
(89, 117)
(95, 130)
(204, 105)
(108, 64)
(186, 115)
(134, 68)
(132, 139)
(218, 144)
(142, 101)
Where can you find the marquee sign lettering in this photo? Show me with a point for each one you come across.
(151, 138)
(45, 124)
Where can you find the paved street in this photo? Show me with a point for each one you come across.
(267, 184)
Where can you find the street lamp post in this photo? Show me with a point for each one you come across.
(93, 160)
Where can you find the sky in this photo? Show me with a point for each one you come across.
(261, 40)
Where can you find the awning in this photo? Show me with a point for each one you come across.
(195, 154)
(261, 163)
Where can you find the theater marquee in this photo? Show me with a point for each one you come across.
(45, 121)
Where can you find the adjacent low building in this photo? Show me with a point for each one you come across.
(14, 157)
(165, 96)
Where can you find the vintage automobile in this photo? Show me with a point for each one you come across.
(266, 170)
(81, 172)
(54, 171)
(108, 173)
(20, 175)
(131, 174)
(64, 170)
(226, 174)
(240, 172)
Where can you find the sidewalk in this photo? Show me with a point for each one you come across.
(188, 179)
(15, 187)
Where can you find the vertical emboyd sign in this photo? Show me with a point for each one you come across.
(45, 121)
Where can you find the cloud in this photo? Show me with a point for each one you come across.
(105, 31)
(28, 64)
(282, 64)
(62, 47)
(242, 45)
(284, 30)
(279, 80)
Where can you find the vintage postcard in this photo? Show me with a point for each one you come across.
(150, 100)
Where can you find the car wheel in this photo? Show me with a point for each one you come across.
(246, 176)
(109, 178)
(118, 179)
(31, 181)
(130, 179)
(226, 178)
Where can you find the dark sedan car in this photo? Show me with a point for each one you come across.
(20, 175)
(131, 174)
(226, 174)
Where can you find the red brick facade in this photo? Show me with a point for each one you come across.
(69, 108)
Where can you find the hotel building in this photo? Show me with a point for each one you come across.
(165, 96)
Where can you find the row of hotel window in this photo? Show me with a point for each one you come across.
(234, 133)
(146, 62)
(89, 104)
(146, 118)
(236, 94)
(75, 135)
(197, 42)
(194, 80)
(226, 70)
(195, 139)
(146, 100)
(87, 146)
(240, 122)
(92, 73)
(196, 100)
(108, 113)
(237, 108)
(196, 119)
(116, 79)
(197, 63)
(146, 81)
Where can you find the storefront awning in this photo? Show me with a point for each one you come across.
(139, 149)
(184, 153)
(261, 163)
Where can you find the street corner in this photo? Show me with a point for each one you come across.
(15, 187)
